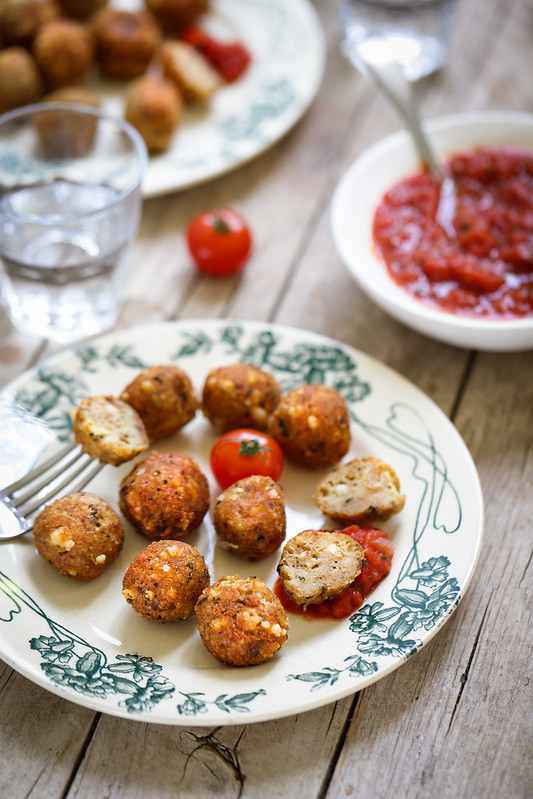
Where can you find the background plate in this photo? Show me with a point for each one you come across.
(84, 642)
(243, 119)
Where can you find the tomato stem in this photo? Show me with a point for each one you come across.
(220, 225)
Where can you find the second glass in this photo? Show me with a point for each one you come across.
(415, 33)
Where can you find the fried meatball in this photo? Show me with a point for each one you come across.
(312, 426)
(164, 398)
(165, 496)
(79, 535)
(21, 19)
(77, 95)
(20, 79)
(126, 42)
(109, 429)
(173, 15)
(362, 490)
(154, 107)
(189, 71)
(249, 517)
(81, 9)
(239, 395)
(318, 564)
(64, 52)
(164, 582)
(240, 621)
(63, 134)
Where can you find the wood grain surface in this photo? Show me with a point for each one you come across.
(455, 720)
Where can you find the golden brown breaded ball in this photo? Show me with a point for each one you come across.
(239, 395)
(240, 620)
(109, 429)
(21, 19)
(360, 491)
(63, 134)
(77, 95)
(249, 517)
(173, 15)
(164, 582)
(154, 107)
(126, 42)
(64, 51)
(312, 426)
(20, 79)
(165, 496)
(316, 565)
(164, 398)
(79, 535)
(81, 9)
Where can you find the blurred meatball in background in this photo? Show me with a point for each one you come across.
(64, 52)
(174, 15)
(154, 107)
(20, 79)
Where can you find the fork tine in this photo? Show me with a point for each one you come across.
(85, 471)
(45, 466)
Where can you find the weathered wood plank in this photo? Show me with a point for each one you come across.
(458, 714)
(271, 760)
(41, 738)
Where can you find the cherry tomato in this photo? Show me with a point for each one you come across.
(243, 452)
(219, 242)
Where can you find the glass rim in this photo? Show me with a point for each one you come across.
(100, 114)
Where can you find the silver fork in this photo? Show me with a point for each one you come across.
(68, 469)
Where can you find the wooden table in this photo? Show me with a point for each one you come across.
(455, 720)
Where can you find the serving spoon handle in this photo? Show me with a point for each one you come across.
(389, 77)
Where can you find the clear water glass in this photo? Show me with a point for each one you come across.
(70, 203)
(414, 33)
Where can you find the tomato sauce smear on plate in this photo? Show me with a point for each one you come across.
(486, 269)
(378, 561)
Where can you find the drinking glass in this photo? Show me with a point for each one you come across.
(414, 33)
(70, 203)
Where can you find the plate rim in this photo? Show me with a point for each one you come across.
(37, 677)
(304, 8)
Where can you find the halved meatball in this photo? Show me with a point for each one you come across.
(109, 429)
(318, 564)
(359, 491)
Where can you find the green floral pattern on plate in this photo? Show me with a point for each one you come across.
(421, 596)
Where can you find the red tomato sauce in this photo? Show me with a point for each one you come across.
(230, 59)
(486, 270)
(378, 561)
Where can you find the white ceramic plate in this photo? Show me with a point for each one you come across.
(245, 118)
(360, 191)
(85, 643)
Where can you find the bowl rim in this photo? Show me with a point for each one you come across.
(503, 127)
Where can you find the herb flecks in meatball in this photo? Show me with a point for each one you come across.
(312, 426)
(249, 517)
(164, 398)
(79, 535)
(165, 496)
(165, 580)
(239, 395)
(240, 620)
